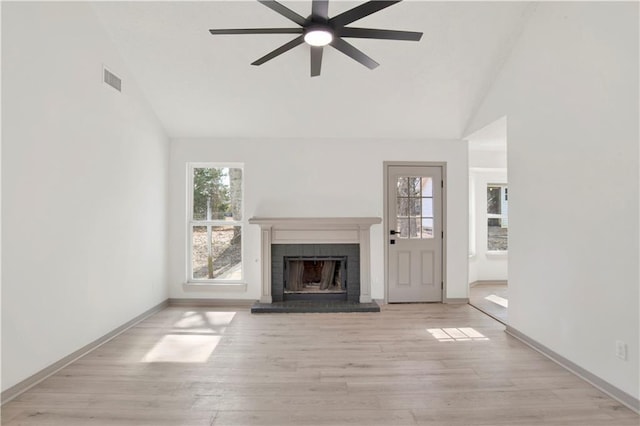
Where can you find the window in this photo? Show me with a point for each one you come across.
(472, 216)
(415, 207)
(497, 217)
(215, 222)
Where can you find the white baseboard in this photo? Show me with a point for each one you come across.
(456, 300)
(211, 302)
(33, 380)
(606, 387)
(495, 282)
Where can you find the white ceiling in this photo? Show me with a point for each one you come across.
(204, 86)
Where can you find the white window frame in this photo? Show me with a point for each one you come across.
(191, 223)
(472, 216)
(504, 213)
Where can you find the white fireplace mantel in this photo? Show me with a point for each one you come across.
(316, 230)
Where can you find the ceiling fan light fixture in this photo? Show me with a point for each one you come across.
(318, 37)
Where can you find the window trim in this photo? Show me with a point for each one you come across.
(190, 223)
(472, 217)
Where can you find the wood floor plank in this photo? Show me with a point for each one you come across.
(425, 364)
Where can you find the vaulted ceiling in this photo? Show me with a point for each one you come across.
(204, 86)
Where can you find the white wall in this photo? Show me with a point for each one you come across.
(570, 92)
(309, 177)
(84, 187)
(485, 159)
(483, 264)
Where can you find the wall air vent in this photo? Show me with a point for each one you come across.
(111, 79)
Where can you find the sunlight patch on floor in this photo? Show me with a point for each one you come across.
(194, 337)
(183, 348)
(196, 319)
(497, 300)
(463, 334)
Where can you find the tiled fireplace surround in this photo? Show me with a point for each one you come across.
(314, 236)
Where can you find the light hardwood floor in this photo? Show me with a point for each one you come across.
(490, 297)
(427, 364)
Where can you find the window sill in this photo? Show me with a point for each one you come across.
(220, 286)
(497, 253)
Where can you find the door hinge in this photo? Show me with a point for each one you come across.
(442, 234)
(441, 184)
(441, 285)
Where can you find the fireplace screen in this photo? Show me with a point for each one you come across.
(315, 274)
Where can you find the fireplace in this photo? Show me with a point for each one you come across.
(315, 277)
(345, 240)
(347, 255)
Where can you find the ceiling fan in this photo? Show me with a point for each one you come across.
(318, 30)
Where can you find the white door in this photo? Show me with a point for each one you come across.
(415, 234)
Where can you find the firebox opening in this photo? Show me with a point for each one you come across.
(315, 275)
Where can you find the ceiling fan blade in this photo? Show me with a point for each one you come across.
(379, 34)
(284, 11)
(316, 60)
(279, 51)
(258, 31)
(360, 12)
(320, 9)
(354, 53)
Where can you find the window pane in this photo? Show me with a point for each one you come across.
(414, 186)
(217, 193)
(427, 228)
(217, 252)
(403, 207)
(414, 227)
(414, 205)
(427, 187)
(402, 231)
(402, 186)
(497, 220)
(235, 193)
(497, 235)
(427, 207)
(200, 249)
(493, 199)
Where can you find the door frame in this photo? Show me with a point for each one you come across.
(385, 220)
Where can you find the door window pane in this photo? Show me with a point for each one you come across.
(414, 227)
(427, 187)
(414, 204)
(414, 186)
(427, 228)
(403, 207)
(402, 231)
(427, 207)
(414, 211)
(402, 186)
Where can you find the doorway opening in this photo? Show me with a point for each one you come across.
(488, 220)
